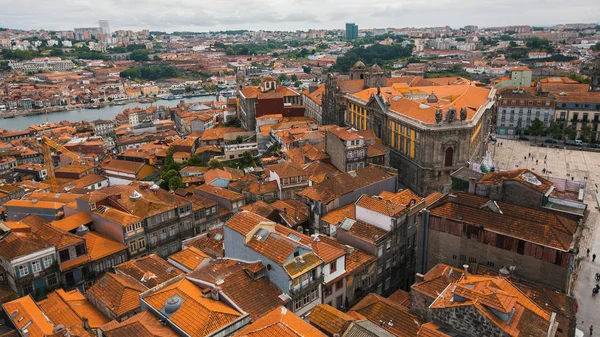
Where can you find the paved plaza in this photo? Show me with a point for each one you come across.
(567, 164)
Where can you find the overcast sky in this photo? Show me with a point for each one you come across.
(205, 15)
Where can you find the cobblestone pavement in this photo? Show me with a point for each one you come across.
(579, 166)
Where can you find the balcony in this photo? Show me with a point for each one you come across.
(307, 286)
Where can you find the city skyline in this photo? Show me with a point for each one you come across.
(185, 15)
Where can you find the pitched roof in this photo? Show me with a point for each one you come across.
(144, 324)
(436, 280)
(119, 293)
(345, 183)
(491, 296)
(377, 309)
(119, 165)
(72, 222)
(55, 236)
(197, 315)
(533, 225)
(100, 246)
(17, 244)
(281, 323)
(25, 314)
(149, 270)
(328, 319)
(381, 206)
(523, 176)
(234, 278)
(362, 230)
(190, 257)
(211, 243)
(82, 307)
(261, 208)
(220, 192)
(140, 199)
(286, 170)
(339, 214)
(243, 222)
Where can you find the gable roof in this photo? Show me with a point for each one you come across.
(17, 244)
(72, 222)
(495, 296)
(378, 309)
(119, 293)
(523, 176)
(197, 315)
(189, 258)
(533, 225)
(149, 270)
(220, 192)
(26, 315)
(144, 324)
(281, 323)
(234, 279)
(329, 319)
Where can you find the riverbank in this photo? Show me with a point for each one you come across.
(107, 112)
(100, 105)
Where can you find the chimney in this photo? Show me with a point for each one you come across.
(312, 87)
(472, 184)
(419, 277)
(452, 198)
(285, 210)
(86, 323)
(466, 267)
(214, 293)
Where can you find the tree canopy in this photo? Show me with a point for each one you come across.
(150, 72)
(377, 53)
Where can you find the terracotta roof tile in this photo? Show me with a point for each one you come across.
(537, 226)
(244, 222)
(339, 214)
(189, 258)
(376, 308)
(80, 305)
(28, 314)
(197, 315)
(281, 323)
(235, 280)
(400, 297)
(210, 243)
(149, 270)
(524, 176)
(17, 244)
(220, 192)
(329, 319)
(72, 222)
(144, 324)
(119, 293)
(100, 246)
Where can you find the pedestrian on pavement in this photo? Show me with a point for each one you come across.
(593, 257)
(591, 329)
(536, 161)
(588, 252)
(545, 156)
(525, 158)
(530, 154)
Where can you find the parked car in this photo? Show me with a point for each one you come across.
(551, 141)
(523, 138)
(493, 138)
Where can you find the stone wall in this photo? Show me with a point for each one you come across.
(466, 320)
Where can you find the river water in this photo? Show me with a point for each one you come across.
(107, 112)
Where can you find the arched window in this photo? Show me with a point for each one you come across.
(449, 157)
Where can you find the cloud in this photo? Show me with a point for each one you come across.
(206, 15)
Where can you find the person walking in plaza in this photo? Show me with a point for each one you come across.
(591, 329)
(593, 257)
(588, 252)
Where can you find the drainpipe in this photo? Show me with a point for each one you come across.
(424, 241)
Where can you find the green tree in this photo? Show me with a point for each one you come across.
(282, 78)
(188, 88)
(596, 47)
(294, 78)
(175, 183)
(587, 133)
(307, 69)
(556, 129)
(536, 128)
(239, 139)
(215, 164)
(570, 133)
(195, 161)
(297, 84)
(139, 55)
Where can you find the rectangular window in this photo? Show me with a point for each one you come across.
(52, 280)
(172, 231)
(47, 261)
(133, 246)
(142, 243)
(339, 285)
(36, 266)
(23, 270)
(80, 250)
(332, 267)
(64, 255)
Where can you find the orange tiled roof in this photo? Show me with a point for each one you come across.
(144, 324)
(55, 236)
(28, 314)
(376, 309)
(431, 330)
(244, 222)
(78, 303)
(220, 192)
(119, 293)
(385, 207)
(190, 257)
(150, 270)
(235, 281)
(490, 295)
(363, 230)
(329, 319)
(197, 315)
(17, 244)
(537, 226)
(339, 214)
(281, 323)
(401, 297)
(100, 246)
(261, 208)
(72, 222)
(523, 176)
(436, 280)
(286, 170)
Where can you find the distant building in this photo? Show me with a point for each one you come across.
(351, 31)
(517, 108)
(46, 64)
(104, 28)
